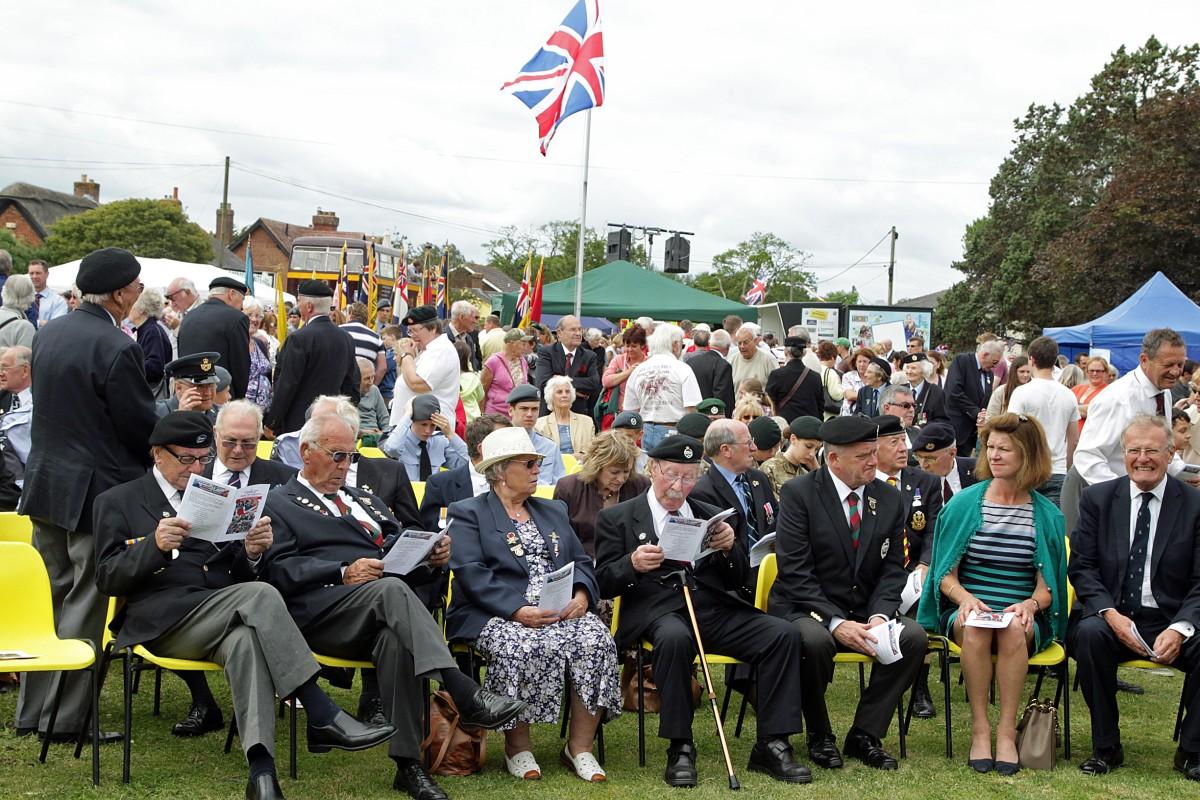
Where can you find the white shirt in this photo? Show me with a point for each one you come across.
(843, 490)
(479, 484)
(52, 306)
(1185, 629)
(1099, 455)
(954, 479)
(222, 473)
(660, 514)
(662, 388)
(356, 510)
(1055, 407)
(437, 365)
(173, 495)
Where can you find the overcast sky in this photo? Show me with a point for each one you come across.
(823, 125)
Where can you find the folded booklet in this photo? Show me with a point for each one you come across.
(409, 550)
(887, 641)
(558, 588)
(218, 512)
(989, 619)
(686, 539)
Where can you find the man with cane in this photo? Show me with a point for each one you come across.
(676, 607)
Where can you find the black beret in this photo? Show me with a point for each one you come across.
(914, 358)
(420, 314)
(225, 282)
(678, 449)
(627, 419)
(805, 428)
(765, 433)
(883, 365)
(183, 429)
(711, 405)
(933, 437)
(106, 270)
(223, 378)
(525, 393)
(694, 425)
(424, 406)
(888, 425)
(314, 288)
(795, 341)
(848, 430)
(199, 368)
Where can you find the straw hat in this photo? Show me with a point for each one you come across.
(503, 444)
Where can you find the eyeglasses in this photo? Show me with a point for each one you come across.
(747, 443)
(244, 444)
(1098, 371)
(672, 478)
(903, 405)
(340, 456)
(1149, 452)
(530, 463)
(187, 461)
(171, 295)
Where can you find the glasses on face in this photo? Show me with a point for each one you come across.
(1149, 452)
(1097, 371)
(171, 295)
(339, 456)
(529, 463)
(187, 461)
(243, 444)
(747, 443)
(672, 478)
(903, 405)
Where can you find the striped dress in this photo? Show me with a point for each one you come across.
(998, 566)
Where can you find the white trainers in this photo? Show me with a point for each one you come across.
(584, 765)
(524, 766)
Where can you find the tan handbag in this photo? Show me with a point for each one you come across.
(1037, 735)
(651, 701)
(451, 749)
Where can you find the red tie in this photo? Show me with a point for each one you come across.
(855, 519)
(947, 492)
(377, 536)
(569, 357)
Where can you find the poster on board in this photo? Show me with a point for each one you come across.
(822, 323)
(865, 320)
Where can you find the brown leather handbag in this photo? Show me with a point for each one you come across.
(650, 698)
(450, 748)
(1037, 735)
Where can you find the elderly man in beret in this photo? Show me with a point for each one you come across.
(523, 405)
(799, 457)
(426, 442)
(938, 455)
(840, 549)
(426, 363)
(631, 565)
(191, 598)
(194, 382)
(219, 325)
(89, 432)
(317, 359)
(929, 397)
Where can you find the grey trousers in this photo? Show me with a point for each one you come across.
(1068, 499)
(385, 622)
(79, 611)
(246, 629)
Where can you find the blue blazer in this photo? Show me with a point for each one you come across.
(489, 579)
(442, 489)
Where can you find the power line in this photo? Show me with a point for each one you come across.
(88, 162)
(859, 261)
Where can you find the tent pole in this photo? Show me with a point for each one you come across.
(587, 149)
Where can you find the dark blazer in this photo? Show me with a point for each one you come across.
(585, 375)
(159, 590)
(820, 574)
(647, 596)
(489, 578)
(715, 491)
(92, 419)
(584, 502)
(966, 471)
(312, 545)
(1100, 549)
(472, 340)
(966, 396)
(919, 520)
(931, 402)
(442, 489)
(263, 470)
(715, 376)
(386, 479)
(317, 359)
(156, 347)
(215, 326)
(809, 398)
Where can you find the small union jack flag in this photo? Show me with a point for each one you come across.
(567, 74)
(757, 291)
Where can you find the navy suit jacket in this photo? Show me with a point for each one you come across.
(442, 489)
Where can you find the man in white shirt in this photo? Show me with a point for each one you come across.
(1055, 407)
(749, 361)
(426, 363)
(491, 341)
(47, 303)
(662, 389)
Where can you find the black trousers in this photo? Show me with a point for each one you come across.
(1097, 651)
(772, 645)
(888, 682)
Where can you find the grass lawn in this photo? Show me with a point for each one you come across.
(166, 767)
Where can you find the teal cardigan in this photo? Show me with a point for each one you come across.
(958, 522)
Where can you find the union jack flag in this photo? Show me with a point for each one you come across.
(757, 291)
(567, 74)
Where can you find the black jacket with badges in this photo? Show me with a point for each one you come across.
(386, 479)
(919, 516)
(714, 490)
(262, 470)
(159, 588)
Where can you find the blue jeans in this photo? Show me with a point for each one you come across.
(653, 434)
(1052, 489)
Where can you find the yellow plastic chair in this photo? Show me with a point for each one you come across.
(544, 492)
(372, 452)
(15, 527)
(418, 488)
(571, 463)
(265, 446)
(27, 624)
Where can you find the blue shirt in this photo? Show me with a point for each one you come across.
(389, 378)
(404, 446)
(552, 463)
(732, 479)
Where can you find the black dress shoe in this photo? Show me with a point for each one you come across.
(681, 766)
(21, 732)
(1103, 761)
(199, 721)
(822, 749)
(1006, 769)
(411, 777)
(869, 750)
(264, 787)
(981, 765)
(370, 710)
(1188, 764)
(489, 710)
(346, 733)
(922, 703)
(775, 757)
(1131, 688)
(106, 737)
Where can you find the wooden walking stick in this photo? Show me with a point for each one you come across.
(708, 684)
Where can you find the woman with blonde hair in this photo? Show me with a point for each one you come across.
(606, 478)
(1097, 375)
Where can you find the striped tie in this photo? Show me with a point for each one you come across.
(892, 482)
(855, 519)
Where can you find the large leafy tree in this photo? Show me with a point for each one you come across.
(20, 252)
(147, 228)
(763, 254)
(1072, 173)
(557, 242)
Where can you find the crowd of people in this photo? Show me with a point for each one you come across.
(905, 486)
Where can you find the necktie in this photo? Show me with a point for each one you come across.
(891, 481)
(1135, 569)
(570, 356)
(36, 309)
(751, 523)
(235, 480)
(1160, 404)
(424, 465)
(16, 403)
(855, 519)
(947, 492)
(377, 536)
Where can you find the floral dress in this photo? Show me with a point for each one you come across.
(530, 664)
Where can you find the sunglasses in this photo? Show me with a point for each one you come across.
(339, 456)
(903, 405)
(529, 463)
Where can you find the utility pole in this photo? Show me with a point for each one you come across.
(892, 264)
(224, 216)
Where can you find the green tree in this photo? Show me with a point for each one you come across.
(846, 297)
(763, 254)
(555, 241)
(20, 252)
(147, 228)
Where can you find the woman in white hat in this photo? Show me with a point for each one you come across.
(506, 543)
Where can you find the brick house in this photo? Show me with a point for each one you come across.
(28, 211)
(271, 240)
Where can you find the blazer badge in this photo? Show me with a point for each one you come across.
(871, 504)
(918, 521)
(554, 539)
(883, 550)
(514, 544)
(311, 506)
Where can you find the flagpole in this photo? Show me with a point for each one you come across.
(587, 150)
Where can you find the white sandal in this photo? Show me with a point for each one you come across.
(584, 765)
(524, 766)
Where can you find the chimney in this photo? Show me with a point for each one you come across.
(87, 188)
(224, 223)
(325, 221)
(174, 197)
